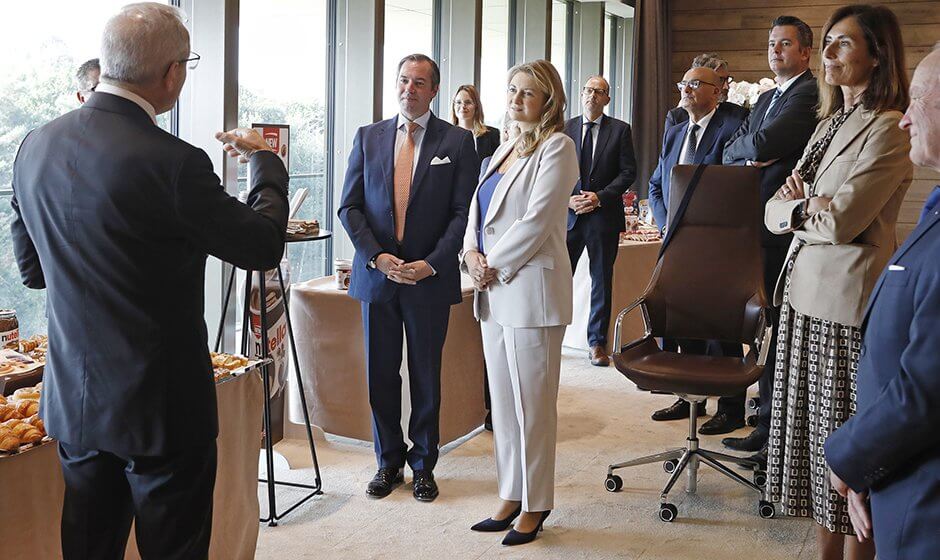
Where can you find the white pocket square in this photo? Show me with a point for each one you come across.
(439, 161)
(895, 267)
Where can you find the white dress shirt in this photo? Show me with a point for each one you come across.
(418, 134)
(703, 124)
(130, 96)
(594, 132)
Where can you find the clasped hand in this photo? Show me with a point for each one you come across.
(583, 203)
(480, 272)
(401, 272)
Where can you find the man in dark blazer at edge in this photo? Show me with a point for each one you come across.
(114, 217)
(595, 210)
(699, 140)
(889, 451)
(404, 205)
(678, 114)
(773, 138)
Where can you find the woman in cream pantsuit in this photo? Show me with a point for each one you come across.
(515, 251)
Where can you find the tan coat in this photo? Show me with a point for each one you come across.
(866, 172)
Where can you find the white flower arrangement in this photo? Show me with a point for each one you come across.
(746, 93)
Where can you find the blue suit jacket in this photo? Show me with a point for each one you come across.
(436, 217)
(709, 151)
(892, 446)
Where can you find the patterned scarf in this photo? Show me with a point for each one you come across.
(818, 150)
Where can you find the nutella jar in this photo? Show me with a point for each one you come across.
(343, 268)
(9, 329)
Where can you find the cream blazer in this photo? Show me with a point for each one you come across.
(524, 232)
(866, 171)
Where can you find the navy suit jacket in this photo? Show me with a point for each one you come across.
(114, 217)
(678, 115)
(892, 445)
(613, 170)
(435, 220)
(782, 135)
(709, 151)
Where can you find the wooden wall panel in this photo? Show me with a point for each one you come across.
(737, 29)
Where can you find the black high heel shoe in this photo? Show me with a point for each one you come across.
(490, 525)
(515, 537)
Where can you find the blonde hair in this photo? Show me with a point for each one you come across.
(479, 129)
(553, 113)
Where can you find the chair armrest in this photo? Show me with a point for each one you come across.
(618, 325)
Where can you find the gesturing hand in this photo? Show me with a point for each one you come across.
(242, 143)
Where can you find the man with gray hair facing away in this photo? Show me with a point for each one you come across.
(117, 230)
(86, 79)
(678, 115)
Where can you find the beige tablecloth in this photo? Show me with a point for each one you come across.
(328, 332)
(632, 270)
(31, 503)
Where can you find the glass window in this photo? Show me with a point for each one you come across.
(287, 85)
(494, 60)
(610, 36)
(409, 29)
(561, 42)
(37, 84)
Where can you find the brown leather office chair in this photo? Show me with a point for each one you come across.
(707, 285)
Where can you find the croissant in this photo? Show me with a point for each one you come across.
(26, 393)
(30, 435)
(25, 409)
(37, 422)
(3, 400)
(8, 441)
(8, 412)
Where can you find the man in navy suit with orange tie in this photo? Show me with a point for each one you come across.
(700, 140)
(889, 451)
(404, 205)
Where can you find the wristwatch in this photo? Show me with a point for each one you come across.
(371, 263)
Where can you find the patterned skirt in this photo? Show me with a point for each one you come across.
(813, 394)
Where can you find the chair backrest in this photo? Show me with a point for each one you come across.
(708, 283)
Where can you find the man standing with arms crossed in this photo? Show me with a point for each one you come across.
(404, 205)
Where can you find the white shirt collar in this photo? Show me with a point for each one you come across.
(422, 121)
(786, 85)
(130, 96)
(597, 121)
(703, 122)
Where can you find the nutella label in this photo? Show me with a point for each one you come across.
(10, 339)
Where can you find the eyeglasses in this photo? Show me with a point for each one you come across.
(591, 90)
(192, 62)
(693, 84)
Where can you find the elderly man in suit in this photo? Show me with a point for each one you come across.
(678, 114)
(404, 205)
(117, 230)
(701, 139)
(890, 450)
(773, 138)
(595, 209)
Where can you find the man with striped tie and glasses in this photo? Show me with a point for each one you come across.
(773, 138)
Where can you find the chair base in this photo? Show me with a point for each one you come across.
(679, 460)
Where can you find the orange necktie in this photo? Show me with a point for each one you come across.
(404, 165)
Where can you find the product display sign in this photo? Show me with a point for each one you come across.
(278, 137)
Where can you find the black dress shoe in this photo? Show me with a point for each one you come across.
(515, 537)
(677, 411)
(490, 525)
(425, 489)
(721, 423)
(752, 442)
(384, 481)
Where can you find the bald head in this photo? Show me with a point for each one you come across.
(701, 100)
(140, 43)
(922, 119)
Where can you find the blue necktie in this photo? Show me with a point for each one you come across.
(587, 155)
(932, 202)
(773, 101)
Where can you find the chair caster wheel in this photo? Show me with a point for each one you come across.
(751, 420)
(753, 403)
(613, 483)
(668, 513)
(670, 466)
(760, 478)
(766, 509)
